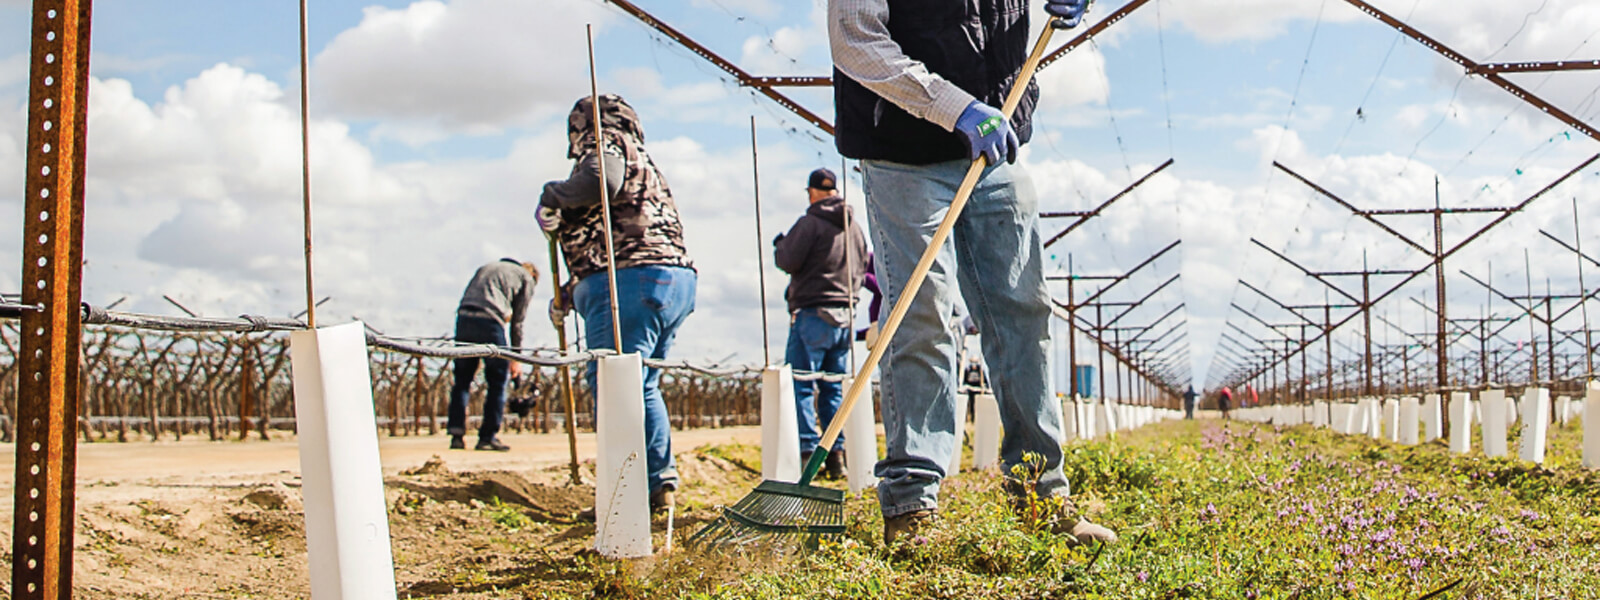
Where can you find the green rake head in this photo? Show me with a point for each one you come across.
(779, 512)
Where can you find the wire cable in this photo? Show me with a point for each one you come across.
(410, 345)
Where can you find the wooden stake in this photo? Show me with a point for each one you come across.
(761, 263)
(305, 161)
(605, 196)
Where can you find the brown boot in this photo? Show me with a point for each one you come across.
(1061, 516)
(662, 499)
(906, 527)
(833, 468)
(1086, 532)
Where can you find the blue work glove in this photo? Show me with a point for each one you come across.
(988, 133)
(1070, 12)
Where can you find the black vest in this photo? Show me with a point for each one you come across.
(979, 45)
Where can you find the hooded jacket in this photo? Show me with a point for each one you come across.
(645, 226)
(813, 253)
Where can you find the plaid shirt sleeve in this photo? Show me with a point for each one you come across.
(858, 35)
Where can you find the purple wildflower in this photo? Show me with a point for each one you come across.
(1500, 534)
(1382, 536)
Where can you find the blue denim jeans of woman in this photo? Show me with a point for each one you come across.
(652, 301)
(497, 371)
(816, 345)
(995, 256)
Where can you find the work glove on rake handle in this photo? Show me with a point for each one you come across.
(988, 133)
(1068, 13)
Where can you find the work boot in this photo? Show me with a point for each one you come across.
(1061, 516)
(660, 500)
(908, 526)
(663, 498)
(1086, 532)
(833, 468)
(457, 443)
(491, 444)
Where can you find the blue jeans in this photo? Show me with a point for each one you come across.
(995, 255)
(652, 302)
(815, 345)
(479, 330)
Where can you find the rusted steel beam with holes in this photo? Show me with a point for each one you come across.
(1095, 212)
(788, 81)
(47, 399)
(1064, 214)
(1088, 34)
(1473, 67)
(1534, 67)
(744, 77)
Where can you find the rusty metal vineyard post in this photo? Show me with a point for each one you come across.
(47, 399)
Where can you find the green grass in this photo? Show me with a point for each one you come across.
(1206, 510)
(506, 515)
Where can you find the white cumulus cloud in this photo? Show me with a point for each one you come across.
(464, 66)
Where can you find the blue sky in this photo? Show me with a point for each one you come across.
(437, 121)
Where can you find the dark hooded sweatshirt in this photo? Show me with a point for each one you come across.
(813, 254)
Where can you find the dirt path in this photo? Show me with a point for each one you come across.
(115, 471)
(201, 519)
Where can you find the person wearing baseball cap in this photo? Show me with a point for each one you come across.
(821, 180)
(824, 255)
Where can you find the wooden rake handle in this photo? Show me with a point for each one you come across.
(863, 379)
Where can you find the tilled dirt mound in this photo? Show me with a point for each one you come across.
(542, 502)
(454, 534)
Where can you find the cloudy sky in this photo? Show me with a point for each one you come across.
(435, 122)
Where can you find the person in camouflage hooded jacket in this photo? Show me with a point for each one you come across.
(645, 227)
(655, 283)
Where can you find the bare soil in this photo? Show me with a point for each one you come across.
(225, 520)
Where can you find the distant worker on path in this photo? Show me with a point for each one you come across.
(495, 300)
(1189, 398)
(1225, 402)
(655, 278)
(916, 91)
(825, 263)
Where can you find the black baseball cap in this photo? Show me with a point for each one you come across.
(822, 179)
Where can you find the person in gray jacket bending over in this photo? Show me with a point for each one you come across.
(826, 267)
(495, 300)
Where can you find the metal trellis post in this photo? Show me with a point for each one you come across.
(47, 399)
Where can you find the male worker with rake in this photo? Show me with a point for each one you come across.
(916, 84)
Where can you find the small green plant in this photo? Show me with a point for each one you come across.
(506, 515)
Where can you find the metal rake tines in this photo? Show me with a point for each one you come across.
(789, 512)
(734, 532)
(776, 511)
(772, 519)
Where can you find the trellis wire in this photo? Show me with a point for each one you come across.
(442, 348)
